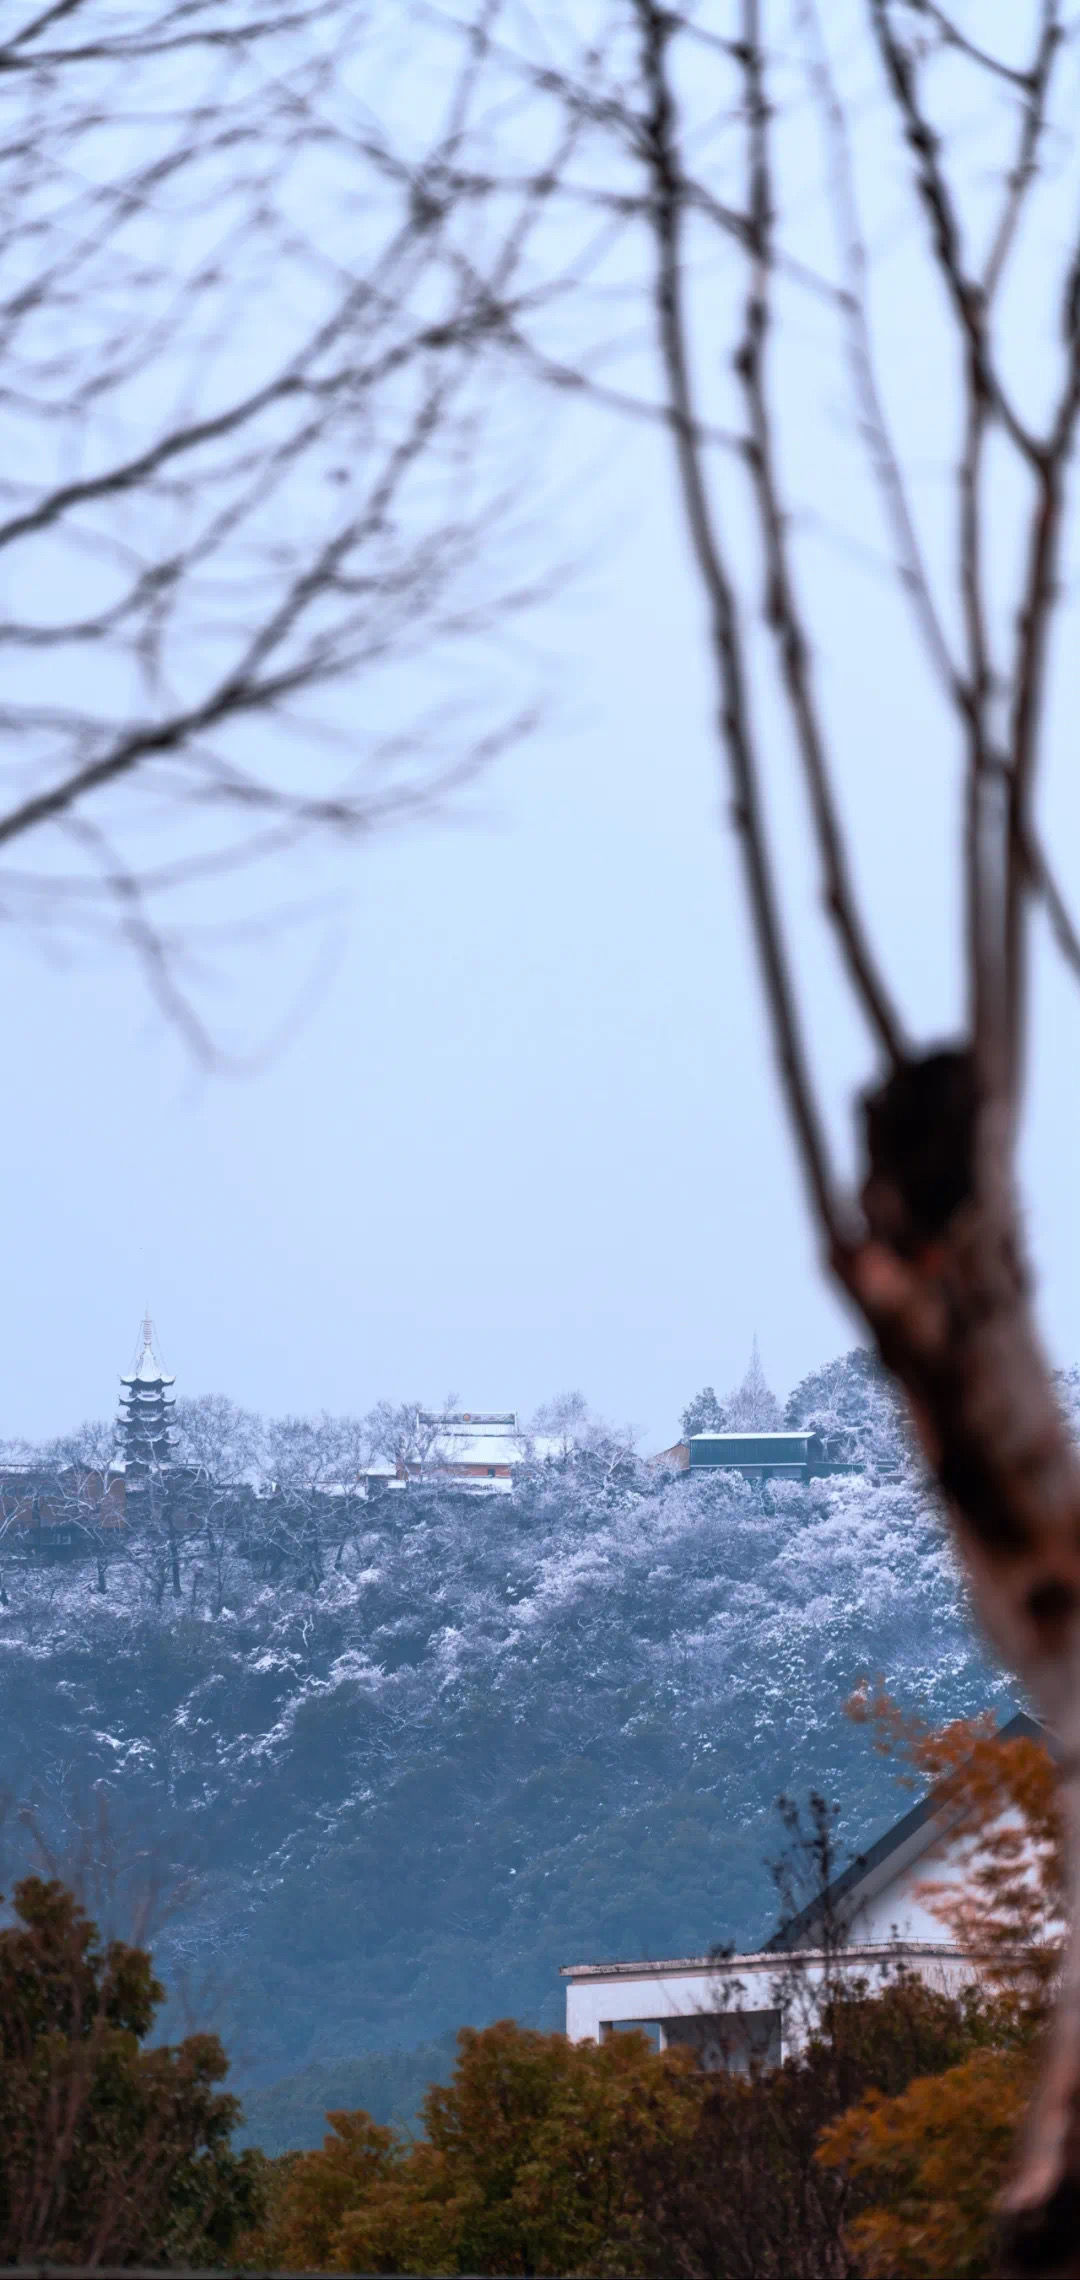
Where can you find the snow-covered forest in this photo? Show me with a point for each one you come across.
(385, 1765)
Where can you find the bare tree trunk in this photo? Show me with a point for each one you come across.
(934, 1259)
(942, 1283)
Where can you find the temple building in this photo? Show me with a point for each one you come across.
(147, 1436)
(469, 1448)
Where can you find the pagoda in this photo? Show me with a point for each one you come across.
(146, 1435)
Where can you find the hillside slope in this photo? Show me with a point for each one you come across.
(496, 1737)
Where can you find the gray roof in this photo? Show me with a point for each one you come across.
(841, 1897)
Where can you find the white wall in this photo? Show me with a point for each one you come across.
(596, 1997)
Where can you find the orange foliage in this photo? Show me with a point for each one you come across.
(528, 2164)
(547, 2156)
(1000, 1815)
(934, 2158)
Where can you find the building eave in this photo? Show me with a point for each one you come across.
(766, 1959)
(911, 1836)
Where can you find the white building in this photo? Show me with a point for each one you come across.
(474, 1448)
(477, 1449)
(755, 2006)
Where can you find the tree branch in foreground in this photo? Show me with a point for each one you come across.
(934, 1259)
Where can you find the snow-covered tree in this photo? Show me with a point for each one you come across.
(530, 1686)
(752, 1408)
(568, 1441)
(396, 1432)
(565, 1420)
(82, 1495)
(1068, 1392)
(851, 1405)
(90, 1447)
(218, 1439)
(706, 1413)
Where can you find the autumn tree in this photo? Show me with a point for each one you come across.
(745, 2194)
(926, 2162)
(878, 2146)
(110, 2152)
(875, 2146)
(548, 2156)
(528, 2164)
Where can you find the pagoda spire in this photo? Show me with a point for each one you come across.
(754, 1407)
(147, 1436)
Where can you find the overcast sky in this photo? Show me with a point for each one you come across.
(527, 1136)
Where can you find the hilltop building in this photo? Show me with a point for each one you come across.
(147, 1436)
(57, 1511)
(476, 1448)
(746, 1434)
(757, 1456)
(869, 1923)
(481, 1450)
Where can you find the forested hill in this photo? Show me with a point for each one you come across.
(495, 1735)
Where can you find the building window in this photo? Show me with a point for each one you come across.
(728, 2042)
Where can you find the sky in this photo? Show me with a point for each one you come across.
(526, 1135)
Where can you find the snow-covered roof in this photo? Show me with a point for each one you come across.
(466, 1448)
(452, 1419)
(755, 1433)
(147, 1370)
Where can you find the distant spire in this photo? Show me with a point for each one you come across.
(754, 1408)
(146, 1368)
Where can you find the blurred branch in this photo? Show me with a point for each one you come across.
(196, 373)
(783, 611)
(910, 562)
(662, 158)
(953, 37)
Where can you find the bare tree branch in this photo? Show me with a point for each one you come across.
(200, 365)
(656, 30)
(782, 608)
(1035, 619)
(1021, 178)
(1064, 928)
(911, 565)
(966, 295)
(955, 38)
(936, 1265)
